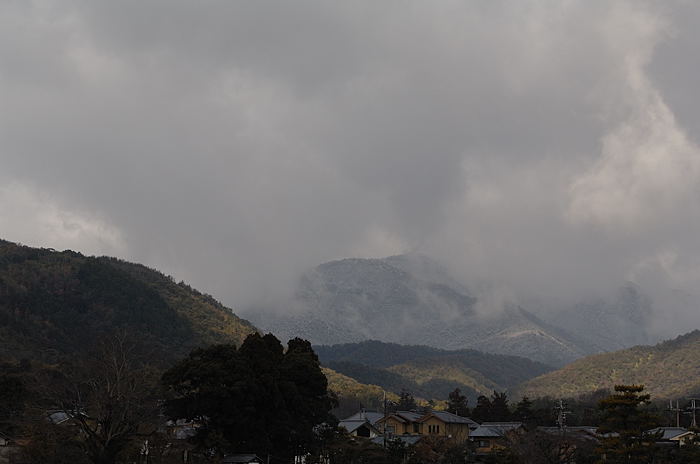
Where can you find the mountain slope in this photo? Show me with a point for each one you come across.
(668, 370)
(428, 372)
(55, 305)
(409, 299)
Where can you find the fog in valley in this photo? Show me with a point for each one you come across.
(546, 153)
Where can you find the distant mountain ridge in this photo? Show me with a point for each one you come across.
(412, 300)
(428, 372)
(668, 370)
(58, 305)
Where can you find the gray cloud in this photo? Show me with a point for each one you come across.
(548, 146)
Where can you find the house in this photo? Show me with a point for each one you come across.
(491, 436)
(371, 416)
(360, 428)
(671, 436)
(568, 439)
(448, 425)
(362, 424)
(400, 423)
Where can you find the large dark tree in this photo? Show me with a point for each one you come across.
(406, 401)
(457, 403)
(625, 421)
(523, 411)
(499, 407)
(257, 398)
(482, 411)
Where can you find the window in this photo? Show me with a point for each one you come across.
(433, 429)
(416, 428)
(390, 429)
(484, 443)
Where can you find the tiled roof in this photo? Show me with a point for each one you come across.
(408, 415)
(494, 429)
(449, 418)
(485, 432)
(372, 416)
(668, 433)
(580, 431)
(352, 425)
(405, 416)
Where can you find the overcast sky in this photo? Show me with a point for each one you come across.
(548, 146)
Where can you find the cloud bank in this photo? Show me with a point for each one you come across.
(548, 146)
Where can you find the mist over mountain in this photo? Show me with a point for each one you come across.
(411, 299)
(621, 321)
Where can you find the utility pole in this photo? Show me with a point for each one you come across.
(677, 410)
(384, 422)
(693, 408)
(561, 415)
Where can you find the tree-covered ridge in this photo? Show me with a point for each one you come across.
(56, 304)
(670, 369)
(428, 372)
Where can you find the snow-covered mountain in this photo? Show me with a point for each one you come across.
(411, 299)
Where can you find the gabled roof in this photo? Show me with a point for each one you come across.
(403, 416)
(507, 425)
(352, 425)
(449, 418)
(495, 429)
(580, 431)
(486, 432)
(670, 433)
(372, 416)
(409, 416)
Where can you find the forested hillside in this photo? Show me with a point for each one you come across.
(54, 305)
(428, 372)
(668, 370)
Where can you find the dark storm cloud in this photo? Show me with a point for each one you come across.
(548, 146)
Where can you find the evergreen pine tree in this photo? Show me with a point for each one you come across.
(523, 411)
(457, 403)
(406, 401)
(482, 411)
(625, 421)
(499, 407)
